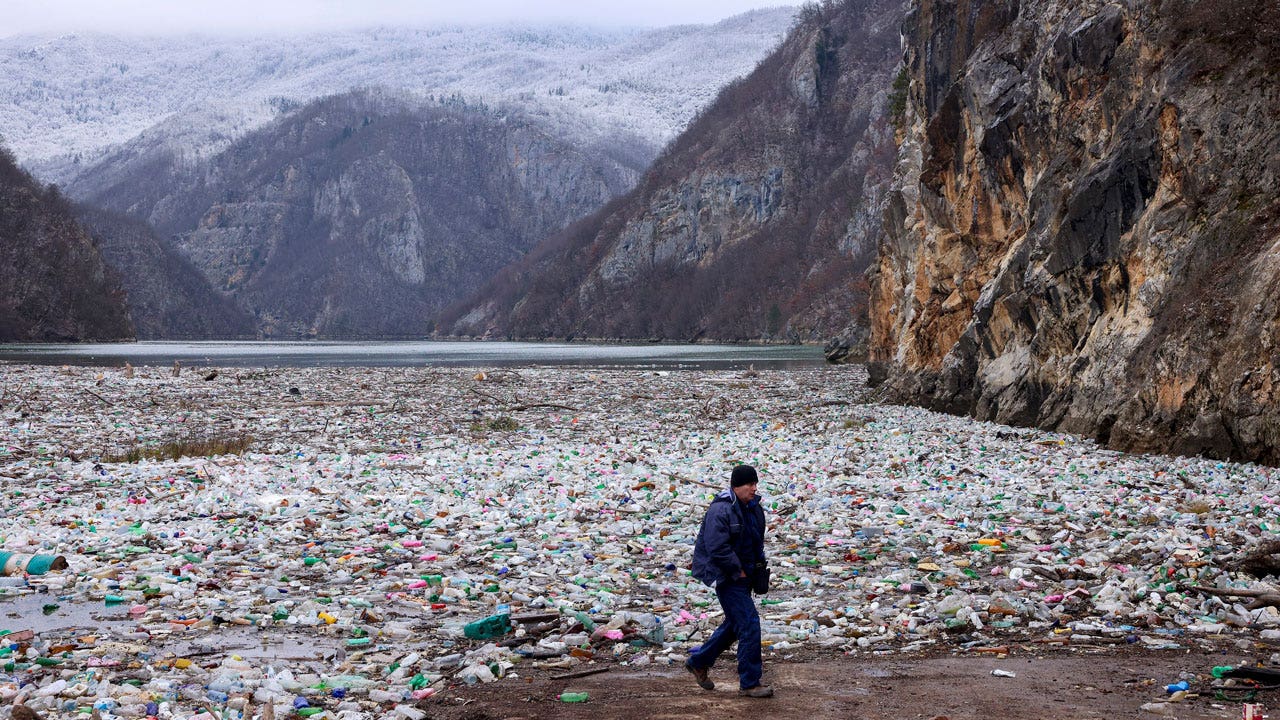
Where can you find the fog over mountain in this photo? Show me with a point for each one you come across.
(69, 98)
(160, 17)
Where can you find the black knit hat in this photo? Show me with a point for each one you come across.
(743, 475)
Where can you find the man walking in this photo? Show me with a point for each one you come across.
(728, 554)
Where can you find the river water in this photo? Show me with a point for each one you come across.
(415, 353)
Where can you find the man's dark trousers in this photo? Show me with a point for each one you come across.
(741, 624)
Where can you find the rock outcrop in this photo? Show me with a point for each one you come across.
(363, 215)
(54, 285)
(1085, 231)
(168, 297)
(754, 224)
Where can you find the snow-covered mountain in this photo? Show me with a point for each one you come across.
(357, 215)
(67, 99)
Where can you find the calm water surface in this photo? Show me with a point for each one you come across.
(387, 354)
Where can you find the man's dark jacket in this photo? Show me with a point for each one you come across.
(730, 541)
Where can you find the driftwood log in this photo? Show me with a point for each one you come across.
(1261, 560)
(1258, 598)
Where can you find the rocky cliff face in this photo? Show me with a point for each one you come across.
(750, 225)
(362, 215)
(168, 297)
(1084, 231)
(54, 286)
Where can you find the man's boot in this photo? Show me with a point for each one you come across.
(759, 691)
(700, 674)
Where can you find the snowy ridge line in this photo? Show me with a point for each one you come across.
(71, 97)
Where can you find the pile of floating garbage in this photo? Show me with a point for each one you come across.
(386, 534)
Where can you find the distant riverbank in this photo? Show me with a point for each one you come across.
(414, 353)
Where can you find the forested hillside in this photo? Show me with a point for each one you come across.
(754, 224)
(363, 215)
(54, 286)
(167, 297)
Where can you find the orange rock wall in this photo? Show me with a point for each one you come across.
(1083, 230)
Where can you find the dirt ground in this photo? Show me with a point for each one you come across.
(1063, 685)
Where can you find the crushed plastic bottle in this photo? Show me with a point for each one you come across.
(490, 627)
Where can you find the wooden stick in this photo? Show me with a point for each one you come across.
(531, 406)
(104, 400)
(535, 617)
(1230, 593)
(486, 395)
(333, 403)
(674, 476)
(581, 673)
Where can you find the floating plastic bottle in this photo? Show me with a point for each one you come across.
(490, 627)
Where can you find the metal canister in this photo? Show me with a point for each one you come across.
(18, 564)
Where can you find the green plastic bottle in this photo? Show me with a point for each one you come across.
(490, 627)
(574, 697)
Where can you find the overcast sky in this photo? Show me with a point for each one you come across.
(238, 16)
